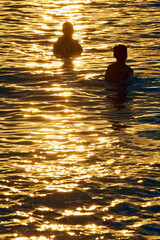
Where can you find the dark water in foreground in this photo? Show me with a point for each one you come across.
(79, 159)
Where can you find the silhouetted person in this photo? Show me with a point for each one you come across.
(119, 72)
(66, 46)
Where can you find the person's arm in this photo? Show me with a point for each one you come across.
(56, 47)
(109, 73)
(77, 49)
(129, 74)
(80, 49)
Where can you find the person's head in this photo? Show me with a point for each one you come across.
(67, 29)
(120, 52)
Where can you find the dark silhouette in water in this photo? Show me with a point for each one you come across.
(119, 102)
(119, 72)
(66, 46)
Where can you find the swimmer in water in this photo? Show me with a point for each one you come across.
(119, 72)
(66, 46)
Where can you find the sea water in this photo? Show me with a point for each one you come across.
(79, 159)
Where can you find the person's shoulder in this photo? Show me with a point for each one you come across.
(110, 71)
(57, 46)
(129, 69)
(76, 42)
(59, 40)
(112, 66)
(77, 46)
(130, 73)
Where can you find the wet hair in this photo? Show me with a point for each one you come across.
(120, 51)
(67, 27)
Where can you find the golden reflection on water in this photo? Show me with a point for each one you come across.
(71, 10)
(88, 229)
(33, 238)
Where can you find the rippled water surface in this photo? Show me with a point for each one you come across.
(79, 159)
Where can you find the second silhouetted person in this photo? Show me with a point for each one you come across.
(119, 72)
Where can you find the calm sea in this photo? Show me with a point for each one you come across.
(79, 159)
